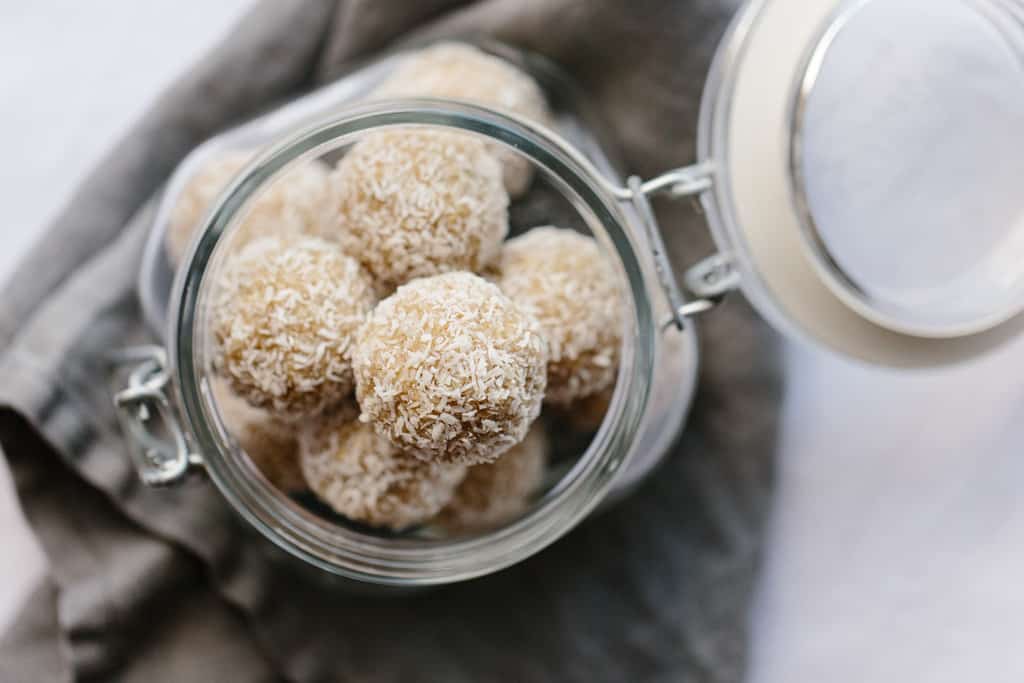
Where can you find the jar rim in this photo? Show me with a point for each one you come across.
(414, 561)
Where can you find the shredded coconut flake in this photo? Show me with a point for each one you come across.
(562, 278)
(462, 72)
(284, 318)
(270, 443)
(365, 478)
(450, 370)
(297, 203)
(417, 202)
(498, 492)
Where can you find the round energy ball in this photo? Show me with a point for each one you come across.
(562, 278)
(284, 317)
(270, 443)
(462, 72)
(365, 478)
(297, 203)
(416, 202)
(498, 492)
(450, 370)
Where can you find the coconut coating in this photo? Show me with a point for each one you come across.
(498, 492)
(270, 443)
(562, 278)
(297, 203)
(417, 202)
(284, 319)
(365, 478)
(462, 72)
(450, 370)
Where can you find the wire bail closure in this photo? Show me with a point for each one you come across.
(710, 279)
(156, 441)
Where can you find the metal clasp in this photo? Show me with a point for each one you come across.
(709, 280)
(156, 442)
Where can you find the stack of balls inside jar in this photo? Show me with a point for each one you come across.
(379, 340)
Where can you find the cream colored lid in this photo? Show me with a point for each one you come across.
(869, 164)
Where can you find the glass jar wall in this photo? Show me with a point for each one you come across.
(574, 186)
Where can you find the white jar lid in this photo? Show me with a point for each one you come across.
(869, 171)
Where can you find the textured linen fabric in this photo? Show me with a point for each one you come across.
(167, 585)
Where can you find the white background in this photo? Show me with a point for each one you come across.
(895, 548)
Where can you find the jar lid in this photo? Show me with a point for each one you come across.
(868, 164)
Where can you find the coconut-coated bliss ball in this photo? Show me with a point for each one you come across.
(297, 203)
(270, 443)
(418, 202)
(498, 492)
(283, 321)
(462, 72)
(367, 479)
(450, 370)
(562, 278)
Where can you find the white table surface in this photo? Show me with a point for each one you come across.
(895, 546)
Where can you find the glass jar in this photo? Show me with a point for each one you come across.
(791, 204)
(172, 416)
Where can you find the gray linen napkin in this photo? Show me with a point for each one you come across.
(168, 586)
